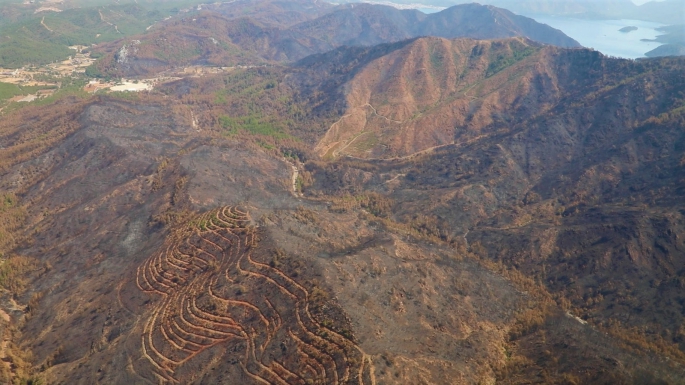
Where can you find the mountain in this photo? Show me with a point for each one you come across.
(272, 13)
(664, 11)
(36, 33)
(202, 39)
(369, 24)
(517, 220)
(144, 171)
(363, 24)
(673, 39)
(244, 39)
(436, 92)
(488, 22)
(667, 50)
(578, 8)
(44, 38)
(545, 163)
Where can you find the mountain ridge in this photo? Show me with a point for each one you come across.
(536, 207)
(364, 24)
(665, 12)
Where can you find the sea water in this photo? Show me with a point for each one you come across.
(604, 35)
(430, 10)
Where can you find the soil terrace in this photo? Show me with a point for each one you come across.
(210, 291)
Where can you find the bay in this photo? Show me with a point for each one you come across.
(604, 35)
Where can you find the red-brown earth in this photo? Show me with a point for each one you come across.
(541, 243)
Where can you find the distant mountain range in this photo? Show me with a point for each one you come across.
(667, 50)
(38, 33)
(224, 36)
(673, 39)
(666, 12)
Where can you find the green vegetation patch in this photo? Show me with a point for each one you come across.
(8, 91)
(44, 38)
(437, 56)
(71, 87)
(364, 142)
(253, 124)
(507, 59)
(18, 50)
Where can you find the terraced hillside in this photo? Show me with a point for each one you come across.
(214, 293)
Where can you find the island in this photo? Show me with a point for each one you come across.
(628, 29)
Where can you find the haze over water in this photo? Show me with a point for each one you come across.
(605, 37)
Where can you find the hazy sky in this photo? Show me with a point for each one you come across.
(640, 2)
